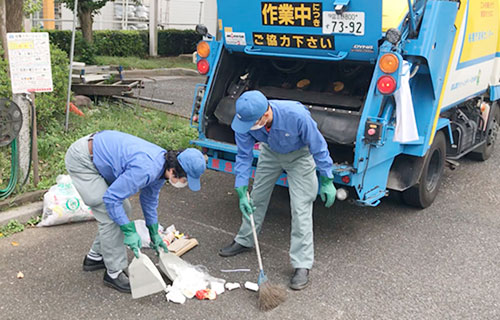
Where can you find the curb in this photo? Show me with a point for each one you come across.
(164, 72)
(22, 214)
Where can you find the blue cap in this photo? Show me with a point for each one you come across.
(194, 164)
(250, 106)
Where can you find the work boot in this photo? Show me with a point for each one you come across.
(121, 283)
(300, 279)
(233, 249)
(92, 265)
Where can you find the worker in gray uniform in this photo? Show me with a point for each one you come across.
(107, 168)
(291, 142)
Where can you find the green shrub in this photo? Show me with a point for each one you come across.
(52, 106)
(124, 43)
(121, 43)
(174, 42)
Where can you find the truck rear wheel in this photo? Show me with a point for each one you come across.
(486, 150)
(425, 191)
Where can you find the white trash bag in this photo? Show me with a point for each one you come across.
(62, 204)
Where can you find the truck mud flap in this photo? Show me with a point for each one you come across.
(405, 172)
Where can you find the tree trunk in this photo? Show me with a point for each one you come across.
(14, 15)
(86, 21)
(3, 30)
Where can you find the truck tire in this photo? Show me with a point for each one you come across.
(425, 191)
(485, 151)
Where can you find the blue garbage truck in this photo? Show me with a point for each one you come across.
(399, 88)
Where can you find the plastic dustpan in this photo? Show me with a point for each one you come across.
(171, 265)
(145, 279)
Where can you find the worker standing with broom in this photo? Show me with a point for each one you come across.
(107, 168)
(291, 142)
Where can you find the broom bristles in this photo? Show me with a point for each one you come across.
(270, 296)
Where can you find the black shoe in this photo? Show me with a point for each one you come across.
(92, 265)
(233, 249)
(121, 283)
(300, 279)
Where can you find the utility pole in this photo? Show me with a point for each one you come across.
(153, 28)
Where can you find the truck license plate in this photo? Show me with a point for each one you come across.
(346, 23)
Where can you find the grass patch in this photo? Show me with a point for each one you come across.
(167, 131)
(146, 63)
(15, 226)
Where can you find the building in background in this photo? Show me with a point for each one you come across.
(126, 15)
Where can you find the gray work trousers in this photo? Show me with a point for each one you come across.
(303, 189)
(91, 186)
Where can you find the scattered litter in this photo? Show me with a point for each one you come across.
(14, 243)
(142, 230)
(181, 246)
(252, 286)
(175, 295)
(206, 294)
(235, 270)
(62, 204)
(232, 285)
(20, 275)
(217, 286)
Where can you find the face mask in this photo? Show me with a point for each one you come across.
(179, 184)
(257, 126)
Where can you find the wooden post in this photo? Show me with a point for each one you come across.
(34, 144)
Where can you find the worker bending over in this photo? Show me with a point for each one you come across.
(291, 142)
(107, 168)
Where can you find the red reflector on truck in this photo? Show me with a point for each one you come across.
(203, 66)
(386, 84)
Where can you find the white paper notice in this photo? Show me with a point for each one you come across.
(29, 60)
(236, 38)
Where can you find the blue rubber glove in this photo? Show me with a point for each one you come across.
(327, 191)
(156, 240)
(246, 203)
(132, 239)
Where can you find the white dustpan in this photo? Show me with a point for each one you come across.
(145, 279)
(171, 265)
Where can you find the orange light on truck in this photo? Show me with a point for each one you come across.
(389, 63)
(203, 49)
(203, 66)
(386, 84)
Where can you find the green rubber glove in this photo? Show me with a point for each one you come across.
(246, 203)
(327, 191)
(156, 240)
(132, 239)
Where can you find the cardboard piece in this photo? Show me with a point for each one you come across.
(181, 246)
(145, 279)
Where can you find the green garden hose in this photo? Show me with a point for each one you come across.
(14, 170)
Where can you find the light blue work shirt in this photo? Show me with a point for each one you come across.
(292, 129)
(129, 165)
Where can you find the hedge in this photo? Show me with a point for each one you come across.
(123, 43)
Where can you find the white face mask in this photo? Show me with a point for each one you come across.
(179, 184)
(257, 126)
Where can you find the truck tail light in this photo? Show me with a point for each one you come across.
(386, 84)
(389, 63)
(346, 179)
(203, 66)
(203, 49)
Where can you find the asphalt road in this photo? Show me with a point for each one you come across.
(388, 262)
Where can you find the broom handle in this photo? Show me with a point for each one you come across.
(257, 248)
